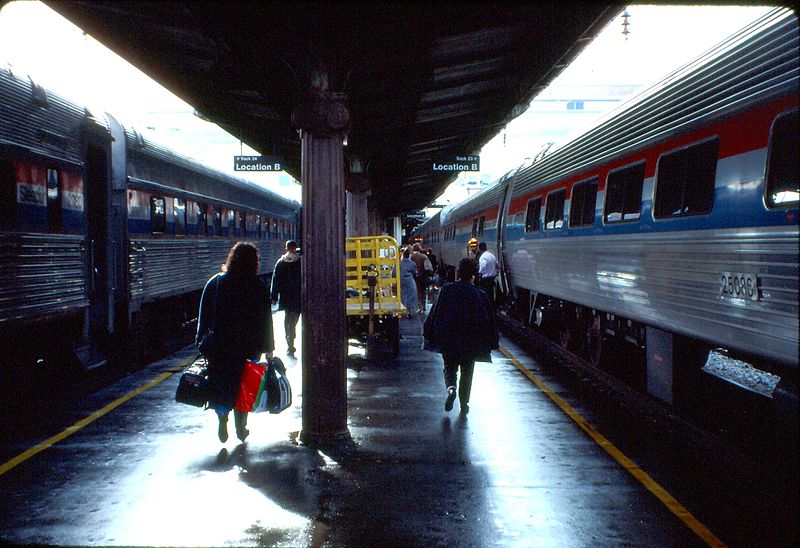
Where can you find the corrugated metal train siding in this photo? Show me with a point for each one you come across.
(54, 130)
(41, 274)
(166, 267)
(672, 281)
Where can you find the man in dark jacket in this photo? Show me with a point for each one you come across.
(286, 290)
(462, 328)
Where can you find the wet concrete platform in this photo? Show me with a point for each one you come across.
(515, 471)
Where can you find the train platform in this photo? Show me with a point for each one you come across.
(132, 467)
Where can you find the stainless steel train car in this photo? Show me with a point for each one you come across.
(672, 224)
(106, 238)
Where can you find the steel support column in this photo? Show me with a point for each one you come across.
(358, 214)
(323, 120)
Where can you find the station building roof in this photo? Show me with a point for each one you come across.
(422, 80)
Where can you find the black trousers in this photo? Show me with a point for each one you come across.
(290, 320)
(452, 363)
(487, 284)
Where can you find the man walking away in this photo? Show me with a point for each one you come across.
(488, 269)
(461, 327)
(423, 265)
(286, 291)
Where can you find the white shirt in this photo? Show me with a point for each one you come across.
(487, 265)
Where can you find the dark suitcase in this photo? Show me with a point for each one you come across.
(279, 391)
(193, 385)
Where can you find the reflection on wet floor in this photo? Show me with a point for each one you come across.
(515, 471)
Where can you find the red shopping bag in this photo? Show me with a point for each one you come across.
(248, 387)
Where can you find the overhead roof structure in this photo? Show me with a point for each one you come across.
(420, 79)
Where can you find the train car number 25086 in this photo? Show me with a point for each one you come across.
(739, 286)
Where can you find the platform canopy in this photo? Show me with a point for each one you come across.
(421, 80)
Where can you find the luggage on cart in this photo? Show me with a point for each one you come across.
(374, 306)
(193, 385)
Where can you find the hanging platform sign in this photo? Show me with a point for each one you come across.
(471, 162)
(257, 163)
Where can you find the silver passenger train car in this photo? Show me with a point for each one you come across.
(671, 224)
(107, 238)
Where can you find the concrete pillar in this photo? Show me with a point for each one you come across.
(358, 214)
(323, 119)
(376, 224)
(397, 232)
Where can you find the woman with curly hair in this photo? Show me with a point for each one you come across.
(235, 305)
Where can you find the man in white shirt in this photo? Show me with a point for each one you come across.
(488, 269)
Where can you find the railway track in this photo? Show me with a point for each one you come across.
(727, 440)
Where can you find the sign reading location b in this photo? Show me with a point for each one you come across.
(466, 162)
(257, 163)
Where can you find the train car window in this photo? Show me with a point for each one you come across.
(275, 229)
(583, 202)
(283, 230)
(231, 222)
(481, 224)
(258, 226)
(475, 227)
(554, 210)
(242, 223)
(217, 220)
(624, 194)
(158, 215)
(202, 219)
(783, 173)
(179, 216)
(532, 215)
(251, 224)
(8, 193)
(685, 181)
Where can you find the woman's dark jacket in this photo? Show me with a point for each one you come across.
(461, 322)
(242, 329)
(286, 288)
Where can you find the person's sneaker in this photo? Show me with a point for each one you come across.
(223, 429)
(242, 434)
(451, 397)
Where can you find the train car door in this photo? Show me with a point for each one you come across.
(502, 215)
(97, 244)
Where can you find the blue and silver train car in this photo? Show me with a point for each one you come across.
(672, 224)
(107, 238)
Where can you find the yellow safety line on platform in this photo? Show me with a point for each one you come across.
(649, 483)
(22, 457)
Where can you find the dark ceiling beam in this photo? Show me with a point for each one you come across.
(418, 78)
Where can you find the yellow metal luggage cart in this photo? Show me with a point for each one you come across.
(373, 292)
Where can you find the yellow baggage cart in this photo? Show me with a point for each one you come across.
(373, 292)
